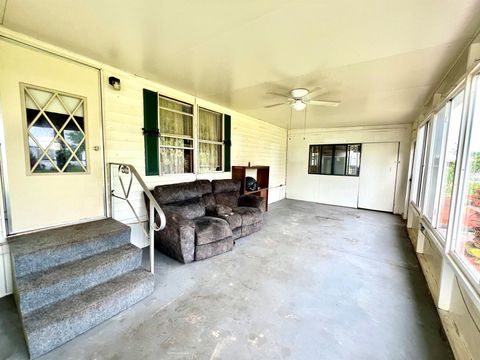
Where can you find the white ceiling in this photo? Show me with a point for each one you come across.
(381, 58)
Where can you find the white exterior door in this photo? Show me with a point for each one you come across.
(378, 174)
(50, 111)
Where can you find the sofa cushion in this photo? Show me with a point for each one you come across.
(229, 199)
(209, 229)
(209, 199)
(226, 213)
(189, 209)
(235, 220)
(222, 186)
(249, 215)
(204, 186)
(167, 194)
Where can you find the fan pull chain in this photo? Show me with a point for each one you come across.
(290, 126)
(305, 124)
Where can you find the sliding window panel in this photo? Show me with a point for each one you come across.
(339, 159)
(436, 154)
(417, 166)
(449, 163)
(467, 236)
(209, 157)
(327, 159)
(353, 160)
(210, 125)
(424, 166)
(314, 159)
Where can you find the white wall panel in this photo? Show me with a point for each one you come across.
(339, 190)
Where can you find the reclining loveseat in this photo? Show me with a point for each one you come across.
(205, 218)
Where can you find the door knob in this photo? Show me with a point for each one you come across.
(96, 148)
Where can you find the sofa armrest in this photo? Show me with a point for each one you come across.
(177, 239)
(252, 201)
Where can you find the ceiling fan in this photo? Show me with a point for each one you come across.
(299, 98)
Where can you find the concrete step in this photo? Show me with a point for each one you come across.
(54, 325)
(50, 248)
(43, 288)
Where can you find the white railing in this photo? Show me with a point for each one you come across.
(129, 171)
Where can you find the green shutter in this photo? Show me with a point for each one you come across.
(227, 136)
(150, 131)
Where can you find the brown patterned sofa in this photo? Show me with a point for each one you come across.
(204, 218)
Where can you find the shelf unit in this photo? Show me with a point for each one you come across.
(262, 177)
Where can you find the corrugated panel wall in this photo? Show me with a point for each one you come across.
(253, 141)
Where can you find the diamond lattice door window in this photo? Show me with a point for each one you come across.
(55, 128)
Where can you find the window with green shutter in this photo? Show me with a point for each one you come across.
(171, 142)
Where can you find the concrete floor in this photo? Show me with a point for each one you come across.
(317, 282)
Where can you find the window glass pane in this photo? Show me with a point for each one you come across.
(327, 155)
(353, 160)
(314, 159)
(55, 126)
(175, 124)
(468, 237)
(424, 164)
(340, 159)
(175, 105)
(417, 167)
(176, 161)
(210, 125)
(210, 157)
(171, 141)
(436, 152)
(449, 163)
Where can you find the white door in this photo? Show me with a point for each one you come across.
(50, 111)
(378, 175)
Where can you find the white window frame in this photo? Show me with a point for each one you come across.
(174, 136)
(195, 137)
(460, 180)
(425, 161)
(469, 278)
(436, 197)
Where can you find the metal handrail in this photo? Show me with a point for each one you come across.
(129, 169)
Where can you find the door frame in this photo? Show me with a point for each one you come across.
(397, 162)
(24, 41)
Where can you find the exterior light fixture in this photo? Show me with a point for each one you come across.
(114, 82)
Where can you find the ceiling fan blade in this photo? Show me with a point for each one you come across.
(274, 105)
(323, 103)
(278, 94)
(316, 91)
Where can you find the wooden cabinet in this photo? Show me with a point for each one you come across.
(260, 173)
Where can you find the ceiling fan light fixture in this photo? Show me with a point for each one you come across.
(298, 105)
(299, 93)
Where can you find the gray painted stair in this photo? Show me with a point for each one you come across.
(45, 249)
(40, 289)
(68, 280)
(56, 324)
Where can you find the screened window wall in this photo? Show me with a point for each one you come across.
(446, 176)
